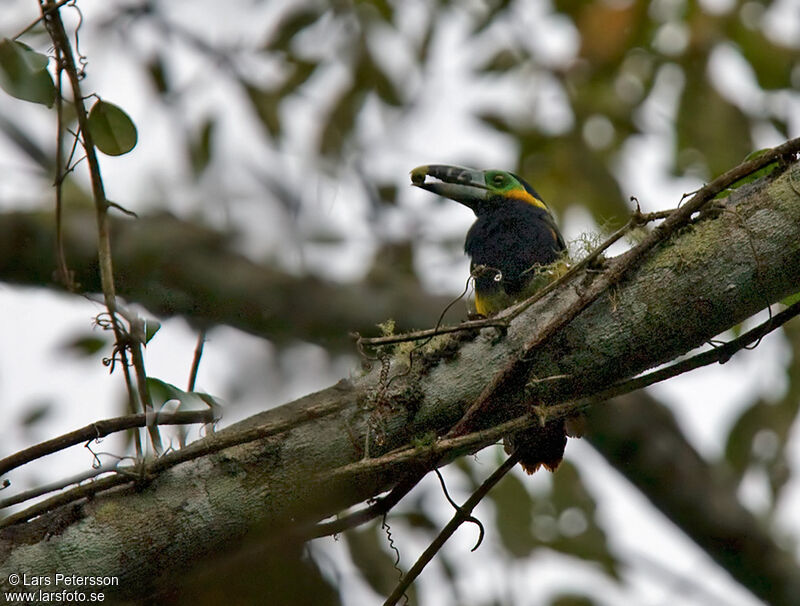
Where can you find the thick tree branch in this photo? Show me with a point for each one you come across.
(707, 278)
(175, 267)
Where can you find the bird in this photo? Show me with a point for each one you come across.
(514, 238)
(514, 247)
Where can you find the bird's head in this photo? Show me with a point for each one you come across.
(480, 190)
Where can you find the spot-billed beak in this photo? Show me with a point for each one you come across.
(464, 185)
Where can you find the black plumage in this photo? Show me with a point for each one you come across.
(511, 240)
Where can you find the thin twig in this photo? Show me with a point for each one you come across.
(470, 518)
(462, 514)
(59, 485)
(198, 353)
(380, 507)
(97, 430)
(36, 21)
(133, 402)
(55, 27)
(76, 494)
(122, 209)
(721, 353)
(64, 275)
(433, 332)
(144, 395)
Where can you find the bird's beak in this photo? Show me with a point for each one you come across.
(463, 185)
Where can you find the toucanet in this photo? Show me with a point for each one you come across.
(513, 245)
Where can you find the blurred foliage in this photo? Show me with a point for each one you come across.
(572, 600)
(759, 439)
(36, 412)
(561, 519)
(603, 85)
(84, 344)
(380, 570)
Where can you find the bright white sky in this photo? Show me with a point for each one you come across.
(35, 322)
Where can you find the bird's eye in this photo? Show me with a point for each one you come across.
(498, 179)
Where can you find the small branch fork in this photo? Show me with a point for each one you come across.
(125, 340)
(128, 328)
(100, 429)
(463, 514)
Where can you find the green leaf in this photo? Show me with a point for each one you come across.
(208, 399)
(24, 75)
(514, 508)
(85, 345)
(162, 392)
(151, 327)
(112, 130)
